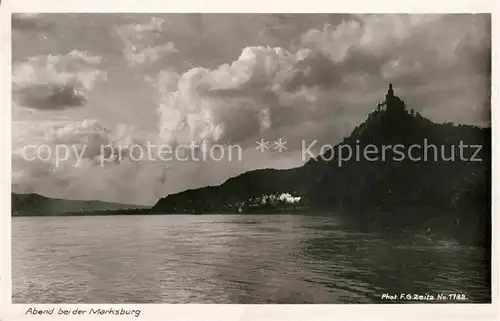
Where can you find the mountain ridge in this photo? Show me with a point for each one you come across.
(371, 191)
(452, 196)
(32, 204)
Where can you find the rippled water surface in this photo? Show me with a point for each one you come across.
(230, 259)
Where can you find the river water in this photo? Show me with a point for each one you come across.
(233, 259)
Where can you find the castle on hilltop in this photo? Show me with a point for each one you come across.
(391, 102)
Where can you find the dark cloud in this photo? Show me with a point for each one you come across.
(50, 97)
(314, 70)
(55, 82)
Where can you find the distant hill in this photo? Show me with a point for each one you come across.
(37, 205)
(453, 196)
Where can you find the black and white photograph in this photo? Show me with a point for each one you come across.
(250, 158)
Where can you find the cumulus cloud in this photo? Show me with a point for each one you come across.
(333, 73)
(145, 43)
(116, 181)
(88, 138)
(81, 146)
(164, 82)
(375, 35)
(234, 102)
(398, 46)
(55, 82)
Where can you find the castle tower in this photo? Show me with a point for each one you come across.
(389, 98)
(390, 93)
(392, 102)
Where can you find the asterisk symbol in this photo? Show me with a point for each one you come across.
(280, 145)
(262, 145)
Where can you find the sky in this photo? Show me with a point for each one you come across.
(93, 80)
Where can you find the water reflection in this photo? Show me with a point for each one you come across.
(371, 265)
(230, 259)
